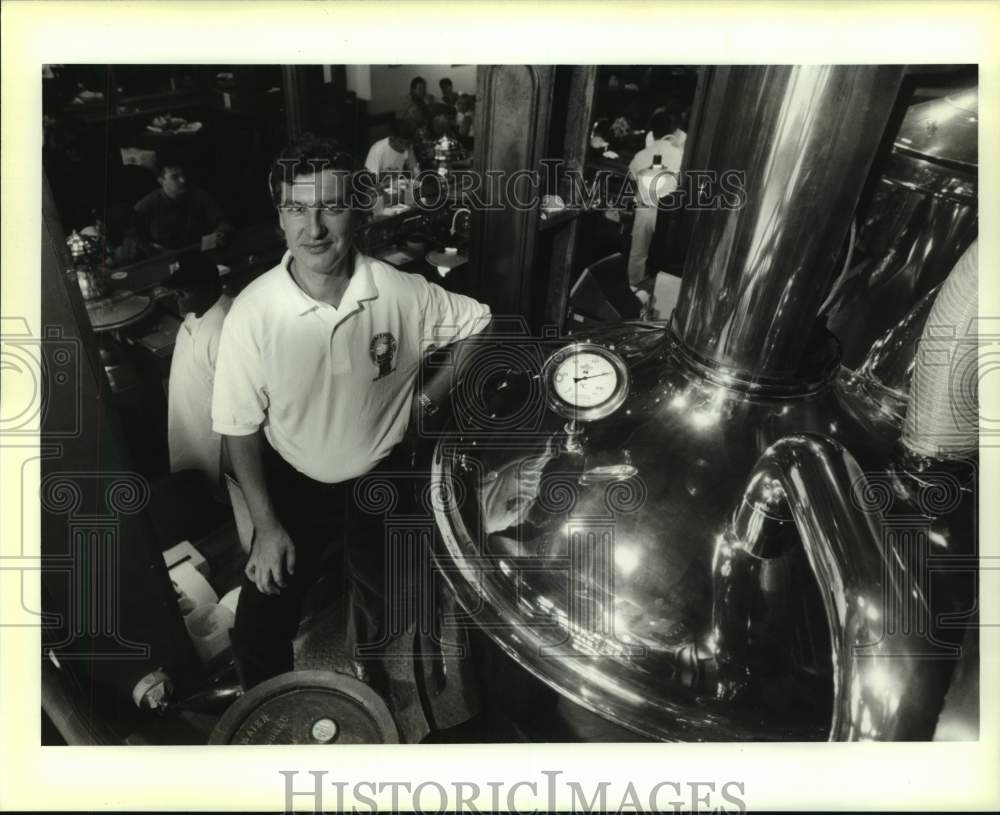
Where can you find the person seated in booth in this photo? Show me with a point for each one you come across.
(418, 101)
(449, 95)
(465, 112)
(192, 442)
(178, 214)
(394, 154)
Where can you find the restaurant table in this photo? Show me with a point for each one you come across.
(247, 253)
(413, 238)
(445, 260)
(118, 311)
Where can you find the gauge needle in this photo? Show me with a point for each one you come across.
(592, 376)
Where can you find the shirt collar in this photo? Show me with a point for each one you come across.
(360, 287)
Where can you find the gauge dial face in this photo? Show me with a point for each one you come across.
(586, 382)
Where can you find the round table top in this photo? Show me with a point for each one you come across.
(449, 260)
(119, 311)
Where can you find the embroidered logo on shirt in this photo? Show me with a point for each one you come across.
(383, 351)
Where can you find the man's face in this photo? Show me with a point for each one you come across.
(419, 90)
(173, 182)
(316, 219)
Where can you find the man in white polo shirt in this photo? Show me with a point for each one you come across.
(314, 383)
(394, 153)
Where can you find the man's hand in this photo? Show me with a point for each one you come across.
(272, 553)
(425, 418)
(272, 560)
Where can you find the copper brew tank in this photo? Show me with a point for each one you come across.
(710, 561)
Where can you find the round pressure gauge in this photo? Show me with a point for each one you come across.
(585, 382)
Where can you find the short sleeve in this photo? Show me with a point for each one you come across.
(450, 317)
(213, 340)
(239, 395)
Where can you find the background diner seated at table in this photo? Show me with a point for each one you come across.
(100, 149)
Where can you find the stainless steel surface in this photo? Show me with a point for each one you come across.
(594, 554)
(959, 720)
(922, 216)
(940, 183)
(885, 687)
(887, 371)
(756, 275)
(215, 699)
(945, 130)
(603, 587)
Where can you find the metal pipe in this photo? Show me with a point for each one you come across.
(887, 371)
(756, 274)
(887, 685)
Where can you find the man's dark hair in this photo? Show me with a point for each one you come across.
(417, 80)
(445, 81)
(405, 128)
(196, 272)
(663, 124)
(165, 160)
(305, 156)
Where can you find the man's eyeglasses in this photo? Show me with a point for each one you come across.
(301, 210)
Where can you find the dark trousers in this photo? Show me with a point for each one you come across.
(316, 516)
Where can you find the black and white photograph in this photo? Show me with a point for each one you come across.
(502, 404)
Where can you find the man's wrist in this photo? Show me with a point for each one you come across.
(267, 525)
(427, 404)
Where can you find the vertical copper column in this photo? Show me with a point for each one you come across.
(803, 138)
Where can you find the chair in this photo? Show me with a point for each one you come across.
(602, 293)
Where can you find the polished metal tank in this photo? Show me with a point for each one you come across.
(708, 561)
(887, 370)
(923, 214)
